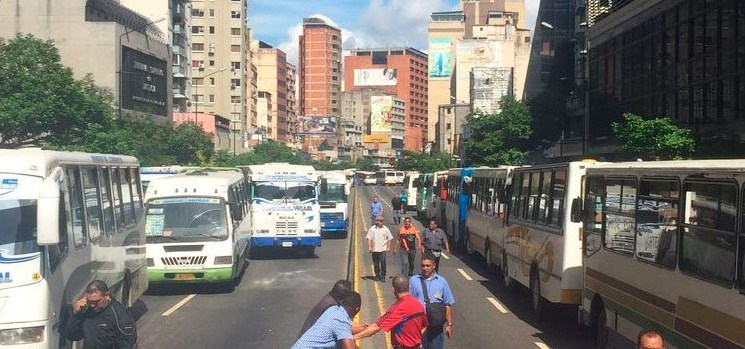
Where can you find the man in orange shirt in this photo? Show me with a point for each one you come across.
(407, 244)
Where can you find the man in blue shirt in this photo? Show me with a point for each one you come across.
(334, 326)
(376, 209)
(438, 291)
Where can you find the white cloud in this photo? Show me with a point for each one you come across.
(400, 22)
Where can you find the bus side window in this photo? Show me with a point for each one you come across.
(128, 210)
(136, 191)
(93, 213)
(657, 221)
(116, 190)
(106, 201)
(619, 207)
(75, 206)
(593, 220)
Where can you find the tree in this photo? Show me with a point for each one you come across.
(425, 162)
(40, 100)
(500, 139)
(653, 139)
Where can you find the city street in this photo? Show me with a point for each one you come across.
(270, 304)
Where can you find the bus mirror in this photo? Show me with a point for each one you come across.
(347, 189)
(324, 186)
(236, 211)
(47, 213)
(576, 210)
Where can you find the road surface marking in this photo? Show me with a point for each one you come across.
(444, 255)
(178, 305)
(380, 197)
(357, 250)
(465, 275)
(541, 345)
(497, 305)
(381, 306)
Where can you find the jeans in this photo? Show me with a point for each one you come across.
(407, 261)
(397, 216)
(374, 217)
(379, 265)
(433, 338)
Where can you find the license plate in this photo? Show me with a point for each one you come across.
(286, 243)
(184, 276)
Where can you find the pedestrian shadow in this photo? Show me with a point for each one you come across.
(187, 289)
(369, 277)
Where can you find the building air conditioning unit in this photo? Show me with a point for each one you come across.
(201, 65)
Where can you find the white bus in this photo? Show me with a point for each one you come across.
(542, 246)
(195, 228)
(366, 177)
(66, 219)
(664, 250)
(284, 210)
(411, 185)
(333, 201)
(389, 177)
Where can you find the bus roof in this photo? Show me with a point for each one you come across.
(280, 171)
(38, 162)
(197, 183)
(679, 166)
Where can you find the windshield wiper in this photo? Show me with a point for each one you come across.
(215, 237)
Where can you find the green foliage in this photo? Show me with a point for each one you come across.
(500, 139)
(40, 100)
(364, 164)
(424, 162)
(653, 139)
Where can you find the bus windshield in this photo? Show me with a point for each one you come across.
(17, 227)
(334, 193)
(291, 191)
(186, 219)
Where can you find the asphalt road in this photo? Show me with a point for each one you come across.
(270, 304)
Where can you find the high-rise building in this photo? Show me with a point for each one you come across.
(219, 73)
(320, 68)
(252, 88)
(264, 116)
(378, 119)
(681, 59)
(291, 105)
(173, 18)
(401, 72)
(271, 65)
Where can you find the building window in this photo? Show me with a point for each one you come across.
(235, 31)
(197, 63)
(235, 65)
(235, 48)
(212, 29)
(197, 46)
(212, 62)
(212, 98)
(197, 81)
(235, 83)
(195, 12)
(235, 14)
(212, 12)
(212, 81)
(197, 29)
(235, 99)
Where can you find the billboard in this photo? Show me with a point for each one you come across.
(381, 113)
(440, 61)
(144, 82)
(316, 125)
(375, 139)
(375, 77)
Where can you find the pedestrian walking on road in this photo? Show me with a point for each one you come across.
(433, 292)
(378, 241)
(334, 328)
(396, 206)
(376, 209)
(405, 201)
(405, 319)
(101, 321)
(435, 242)
(650, 339)
(341, 288)
(408, 242)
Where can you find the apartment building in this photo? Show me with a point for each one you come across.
(320, 68)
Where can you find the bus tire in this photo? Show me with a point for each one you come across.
(601, 329)
(537, 304)
(509, 282)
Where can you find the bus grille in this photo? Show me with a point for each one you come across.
(184, 261)
(286, 225)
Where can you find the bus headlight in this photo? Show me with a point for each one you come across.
(309, 231)
(224, 260)
(15, 336)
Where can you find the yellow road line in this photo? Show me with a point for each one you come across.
(381, 303)
(355, 233)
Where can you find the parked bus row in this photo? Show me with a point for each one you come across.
(68, 218)
(639, 245)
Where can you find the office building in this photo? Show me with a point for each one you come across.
(445, 29)
(252, 89)
(451, 118)
(291, 105)
(122, 50)
(320, 69)
(271, 67)
(219, 73)
(681, 59)
(264, 115)
(401, 72)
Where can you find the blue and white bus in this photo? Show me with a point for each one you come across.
(284, 210)
(333, 201)
(456, 207)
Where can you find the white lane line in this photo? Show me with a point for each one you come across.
(541, 345)
(444, 255)
(178, 305)
(497, 305)
(465, 275)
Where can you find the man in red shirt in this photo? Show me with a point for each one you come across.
(405, 319)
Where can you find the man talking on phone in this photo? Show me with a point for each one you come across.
(101, 321)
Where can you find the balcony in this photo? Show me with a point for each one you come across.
(178, 93)
(178, 71)
(179, 12)
(177, 49)
(178, 29)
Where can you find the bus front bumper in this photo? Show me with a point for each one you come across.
(165, 276)
(295, 241)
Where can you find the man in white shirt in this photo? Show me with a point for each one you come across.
(378, 238)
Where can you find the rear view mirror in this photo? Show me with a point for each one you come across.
(576, 215)
(47, 209)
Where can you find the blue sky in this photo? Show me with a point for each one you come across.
(364, 23)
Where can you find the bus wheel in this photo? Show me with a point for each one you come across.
(509, 282)
(310, 252)
(601, 330)
(536, 300)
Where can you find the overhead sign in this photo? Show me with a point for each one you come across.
(375, 77)
(440, 60)
(316, 125)
(375, 138)
(143, 82)
(381, 113)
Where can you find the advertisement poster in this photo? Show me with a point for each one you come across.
(316, 125)
(375, 77)
(440, 61)
(381, 113)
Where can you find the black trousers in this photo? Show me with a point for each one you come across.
(379, 264)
